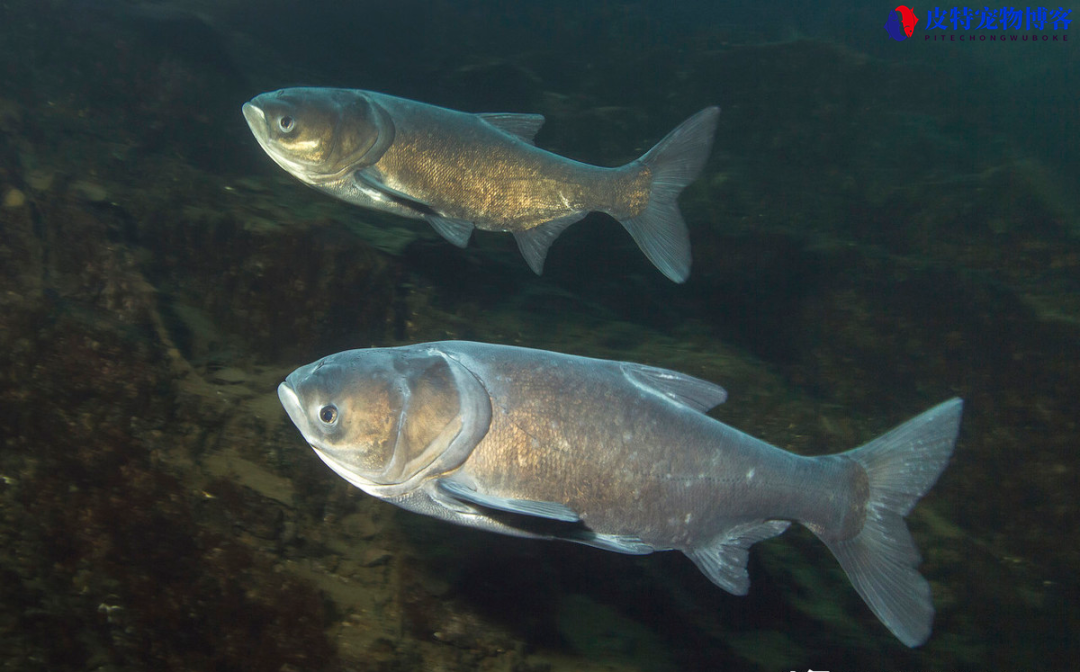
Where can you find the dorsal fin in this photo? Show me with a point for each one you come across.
(700, 395)
(522, 126)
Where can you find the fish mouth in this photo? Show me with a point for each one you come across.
(291, 403)
(256, 120)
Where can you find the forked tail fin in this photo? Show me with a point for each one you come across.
(675, 162)
(901, 466)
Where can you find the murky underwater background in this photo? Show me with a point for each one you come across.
(881, 226)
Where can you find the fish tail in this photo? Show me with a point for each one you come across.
(674, 162)
(880, 560)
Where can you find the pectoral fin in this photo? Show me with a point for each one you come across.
(457, 231)
(612, 542)
(549, 510)
(372, 183)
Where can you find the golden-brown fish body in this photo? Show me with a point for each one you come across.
(615, 455)
(498, 181)
(461, 171)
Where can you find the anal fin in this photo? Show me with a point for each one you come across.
(535, 242)
(457, 231)
(724, 559)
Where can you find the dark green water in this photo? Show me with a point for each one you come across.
(882, 225)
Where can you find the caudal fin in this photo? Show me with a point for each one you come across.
(675, 162)
(880, 561)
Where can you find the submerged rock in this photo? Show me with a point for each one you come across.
(14, 198)
(90, 191)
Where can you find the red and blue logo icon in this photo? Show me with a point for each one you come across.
(901, 23)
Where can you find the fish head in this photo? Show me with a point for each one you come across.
(386, 419)
(319, 134)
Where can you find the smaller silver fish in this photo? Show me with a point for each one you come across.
(618, 456)
(460, 171)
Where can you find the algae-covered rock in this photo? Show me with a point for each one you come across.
(14, 198)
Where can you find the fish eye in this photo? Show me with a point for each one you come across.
(286, 124)
(328, 414)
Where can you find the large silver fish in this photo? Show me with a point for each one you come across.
(619, 456)
(461, 171)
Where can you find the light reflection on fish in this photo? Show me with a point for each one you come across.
(619, 456)
(460, 171)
